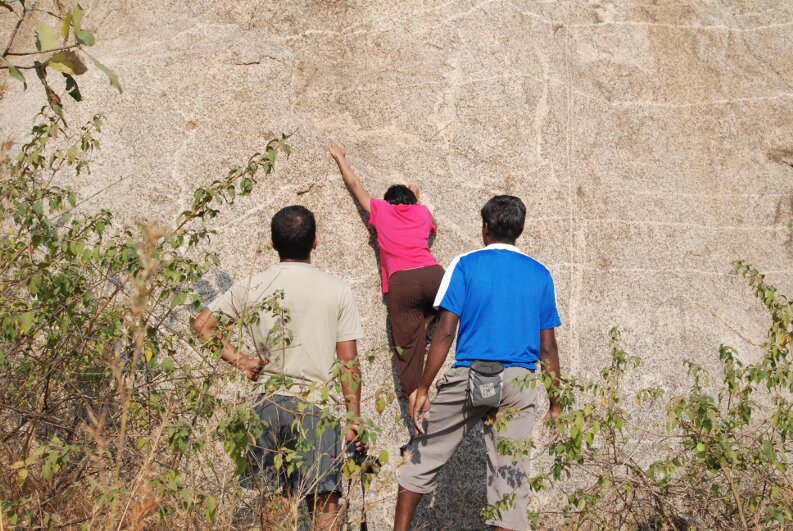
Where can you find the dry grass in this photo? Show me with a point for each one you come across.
(6, 145)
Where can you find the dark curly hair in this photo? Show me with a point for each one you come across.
(399, 194)
(504, 216)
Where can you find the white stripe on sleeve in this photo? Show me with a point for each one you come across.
(447, 279)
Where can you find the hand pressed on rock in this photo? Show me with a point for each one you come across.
(337, 152)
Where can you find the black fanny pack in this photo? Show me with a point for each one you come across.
(485, 381)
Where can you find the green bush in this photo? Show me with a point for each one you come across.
(714, 457)
(90, 349)
(110, 405)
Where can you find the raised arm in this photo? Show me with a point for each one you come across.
(350, 179)
(206, 326)
(347, 353)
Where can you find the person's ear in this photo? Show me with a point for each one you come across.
(272, 244)
(314, 245)
(485, 232)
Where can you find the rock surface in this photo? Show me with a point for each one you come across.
(651, 142)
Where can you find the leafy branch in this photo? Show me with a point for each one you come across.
(62, 50)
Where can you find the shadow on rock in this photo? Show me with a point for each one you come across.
(461, 493)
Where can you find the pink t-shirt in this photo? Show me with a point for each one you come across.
(403, 233)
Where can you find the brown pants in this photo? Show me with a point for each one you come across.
(410, 297)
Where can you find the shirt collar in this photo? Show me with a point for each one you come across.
(504, 246)
(294, 264)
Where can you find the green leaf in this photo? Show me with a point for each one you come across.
(77, 16)
(45, 38)
(26, 320)
(701, 448)
(76, 247)
(22, 475)
(16, 74)
(84, 37)
(67, 62)
(379, 405)
(211, 508)
(769, 451)
(278, 461)
(72, 88)
(178, 299)
(167, 364)
(67, 21)
(109, 73)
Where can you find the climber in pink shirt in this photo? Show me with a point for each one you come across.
(411, 276)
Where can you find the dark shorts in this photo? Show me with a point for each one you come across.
(316, 443)
(411, 294)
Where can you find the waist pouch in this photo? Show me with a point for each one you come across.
(485, 381)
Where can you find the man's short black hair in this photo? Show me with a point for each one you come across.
(504, 216)
(293, 231)
(399, 194)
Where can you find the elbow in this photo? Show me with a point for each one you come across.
(201, 322)
(549, 354)
(443, 336)
(548, 346)
(447, 329)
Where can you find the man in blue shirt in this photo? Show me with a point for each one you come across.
(505, 305)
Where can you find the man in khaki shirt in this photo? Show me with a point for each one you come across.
(322, 326)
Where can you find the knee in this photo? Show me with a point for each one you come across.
(324, 502)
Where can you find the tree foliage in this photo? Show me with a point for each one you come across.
(716, 456)
(112, 411)
(61, 40)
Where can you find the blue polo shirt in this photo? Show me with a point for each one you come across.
(503, 298)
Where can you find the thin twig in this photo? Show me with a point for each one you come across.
(16, 28)
(61, 49)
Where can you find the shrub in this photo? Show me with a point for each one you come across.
(717, 457)
(110, 405)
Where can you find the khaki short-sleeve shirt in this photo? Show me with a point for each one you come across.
(322, 312)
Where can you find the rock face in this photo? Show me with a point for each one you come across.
(652, 144)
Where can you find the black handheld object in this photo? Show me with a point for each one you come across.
(362, 459)
(368, 465)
